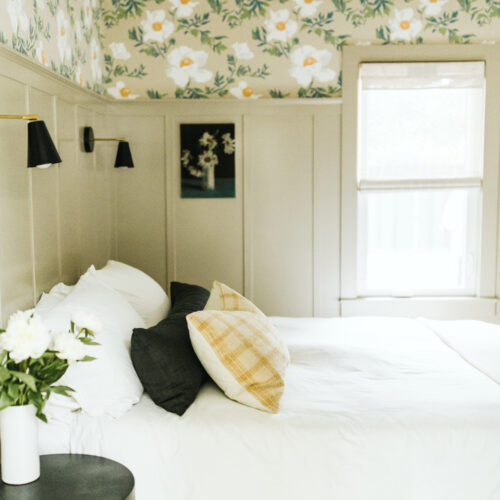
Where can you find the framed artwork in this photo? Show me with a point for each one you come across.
(207, 160)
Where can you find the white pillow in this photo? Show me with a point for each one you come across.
(49, 300)
(142, 292)
(108, 385)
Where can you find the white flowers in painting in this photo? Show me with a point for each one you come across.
(208, 140)
(40, 53)
(308, 63)
(244, 91)
(242, 51)
(156, 28)
(68, 347)
(432, 7)
(229, 143)
(95, 60)
(404, 26)
(26, 336)
(18, 18)
(183, 8)
(307, 8)
(121, 91)
(279, 27)
(119, 51)
(63, 37)
(208, 159)
(187, 64)
(84, 320)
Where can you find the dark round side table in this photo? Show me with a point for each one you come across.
(75, 477)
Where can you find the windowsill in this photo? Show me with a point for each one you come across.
(430, 307)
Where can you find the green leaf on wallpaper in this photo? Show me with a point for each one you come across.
(2, 38)
(383, 33)
(154, 94)
(278, 94)
(465, 4)
(215, 5)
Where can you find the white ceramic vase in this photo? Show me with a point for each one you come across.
(19, 444)
(208, 179)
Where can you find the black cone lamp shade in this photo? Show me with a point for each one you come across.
(41, 150)
(124, 156)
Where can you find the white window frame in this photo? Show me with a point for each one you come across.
(484, 304)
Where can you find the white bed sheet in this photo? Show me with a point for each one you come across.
(373, 409)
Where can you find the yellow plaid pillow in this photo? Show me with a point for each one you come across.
(240, 349)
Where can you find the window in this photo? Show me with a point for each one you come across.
(420, 167)
(420, 162)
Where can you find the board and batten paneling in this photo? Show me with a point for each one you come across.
(54, 222)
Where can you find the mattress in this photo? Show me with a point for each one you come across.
(374, 408)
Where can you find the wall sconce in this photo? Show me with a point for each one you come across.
(41, 150)
(123, 155)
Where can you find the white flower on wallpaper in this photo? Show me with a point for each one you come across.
(63, 37)
(78, 30)
(244, 91)
(183, 8)
(95, 60)
(121, 91)
(404, 26)
(187, 64)
(40, 5)
(87, 13)
(308, 63)
(119, 51)
(40, 53)
(18, 18)
(79, 75)
(307, 8)
(432, 7)
(279, 27)
(156, 28)
(242, 50)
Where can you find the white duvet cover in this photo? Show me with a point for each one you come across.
(373, 409)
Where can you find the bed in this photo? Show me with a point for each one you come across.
(373, 408)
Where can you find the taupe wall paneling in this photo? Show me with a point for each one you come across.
(15, 236)
(279, 212)
(140, 197)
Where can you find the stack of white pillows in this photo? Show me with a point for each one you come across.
(118, 298)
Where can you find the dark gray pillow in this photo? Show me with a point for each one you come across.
(163, 356)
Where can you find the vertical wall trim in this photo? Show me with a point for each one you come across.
(314, 249)
(248, 284)
(58, 192)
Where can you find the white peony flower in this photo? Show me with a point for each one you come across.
(208, 140)
(244, 91)
(279, 27)
(432, 7)
(307, 8)
(87, 13)
(229, 143)
(40, 53)
(26, 336)
(62, 37)
(207, 160)
(403, 26)
(18, 18)
(183, 8)
(119, 51)
(186, 64)
(121, 91)
(95, 60)
(155, 27)
(78, 75)
(68, 347)
(309, 63)
(86, 320)
(242, 51)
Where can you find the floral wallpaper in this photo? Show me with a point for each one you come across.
(64, 35)
(236, 49)
(250, 49)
